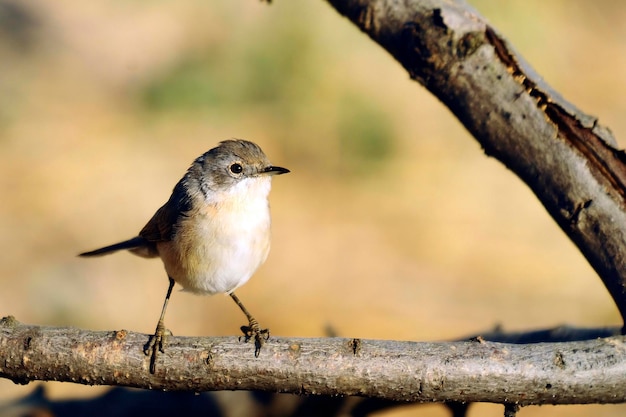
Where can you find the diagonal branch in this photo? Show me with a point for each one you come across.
(566, 157)
(581, 372)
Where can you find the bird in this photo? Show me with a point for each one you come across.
(213, 232)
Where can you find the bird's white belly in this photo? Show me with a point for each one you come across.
(220, 250)
(233, 261)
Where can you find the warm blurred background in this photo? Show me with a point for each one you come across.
(393, 224)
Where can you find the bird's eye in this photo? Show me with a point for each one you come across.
(236, 168)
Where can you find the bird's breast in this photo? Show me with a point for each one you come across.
(217, 247)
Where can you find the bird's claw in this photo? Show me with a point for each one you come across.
(156, 344)
(260, 336)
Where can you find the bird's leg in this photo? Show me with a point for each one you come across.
(252, 330)
(158, 340)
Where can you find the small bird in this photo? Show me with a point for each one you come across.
(214, 231)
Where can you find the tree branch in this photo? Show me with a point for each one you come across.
(566, 157)
(541, 373)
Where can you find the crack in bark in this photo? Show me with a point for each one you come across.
(608, 162)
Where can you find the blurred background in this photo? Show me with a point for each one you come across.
(392, 225)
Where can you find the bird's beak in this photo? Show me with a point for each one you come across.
(272, 170)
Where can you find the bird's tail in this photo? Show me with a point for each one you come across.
(134, 243)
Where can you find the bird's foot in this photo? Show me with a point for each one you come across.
(156, 344)
(254, 331)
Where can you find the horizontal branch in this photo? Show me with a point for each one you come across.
(592, 371)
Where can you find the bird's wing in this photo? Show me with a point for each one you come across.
(162, 225)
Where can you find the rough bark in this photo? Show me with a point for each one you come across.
(581, 372)
(566, 157)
